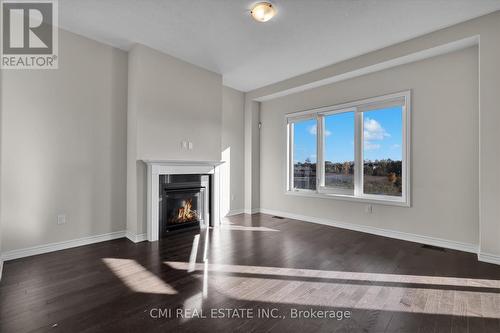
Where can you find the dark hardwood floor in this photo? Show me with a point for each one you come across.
(252, 263)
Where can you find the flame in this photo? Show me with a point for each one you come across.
(185, 213)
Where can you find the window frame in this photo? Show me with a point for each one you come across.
(402, 98)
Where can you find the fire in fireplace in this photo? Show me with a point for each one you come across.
(185, 213)
(184, 202)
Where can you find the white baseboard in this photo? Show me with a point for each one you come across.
(136, 238)
(233, 212)
(449, 244)
(489, 258)
(252, 211)
(1, 268)
(31, 251)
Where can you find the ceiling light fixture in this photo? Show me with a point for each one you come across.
(263, 11)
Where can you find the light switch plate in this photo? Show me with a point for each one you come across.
(61, 219)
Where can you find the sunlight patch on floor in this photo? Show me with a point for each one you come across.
(367, 291)
(356, 276)
(194, 253)
(138, 278)
(205, 265)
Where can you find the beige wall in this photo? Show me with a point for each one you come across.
(232, 150)
(63, 146)
(444, 148)
(169, 101)
(175, 101)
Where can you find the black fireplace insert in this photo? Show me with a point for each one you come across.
(184, 202)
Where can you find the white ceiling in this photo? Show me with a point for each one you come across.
(219, 35)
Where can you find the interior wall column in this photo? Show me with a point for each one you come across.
(252, 156)
(132, 107)
(489, 141)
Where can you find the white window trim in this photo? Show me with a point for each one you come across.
(358, 107)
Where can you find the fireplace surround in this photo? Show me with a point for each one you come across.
(183, 173)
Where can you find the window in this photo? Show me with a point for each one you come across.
(338, 152)
(356, 151)
(304, 154)
(382, 152)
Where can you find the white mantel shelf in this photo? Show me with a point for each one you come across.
(181, 162)
(155, 168)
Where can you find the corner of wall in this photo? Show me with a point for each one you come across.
(131, 215)
(232, 150)
(252, 154)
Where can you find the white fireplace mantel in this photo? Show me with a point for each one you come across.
(157, 168)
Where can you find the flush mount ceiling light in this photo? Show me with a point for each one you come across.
(263, 11)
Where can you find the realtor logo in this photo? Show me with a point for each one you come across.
(29, 34)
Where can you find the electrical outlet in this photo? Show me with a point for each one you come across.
(61, 219)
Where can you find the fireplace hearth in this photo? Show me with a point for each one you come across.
(183, 202)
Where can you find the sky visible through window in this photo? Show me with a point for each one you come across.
(382, 130)
(304, 135)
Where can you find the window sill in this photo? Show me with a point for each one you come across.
(388, 201)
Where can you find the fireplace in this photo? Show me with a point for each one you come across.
(184, 202)
(182, 175)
